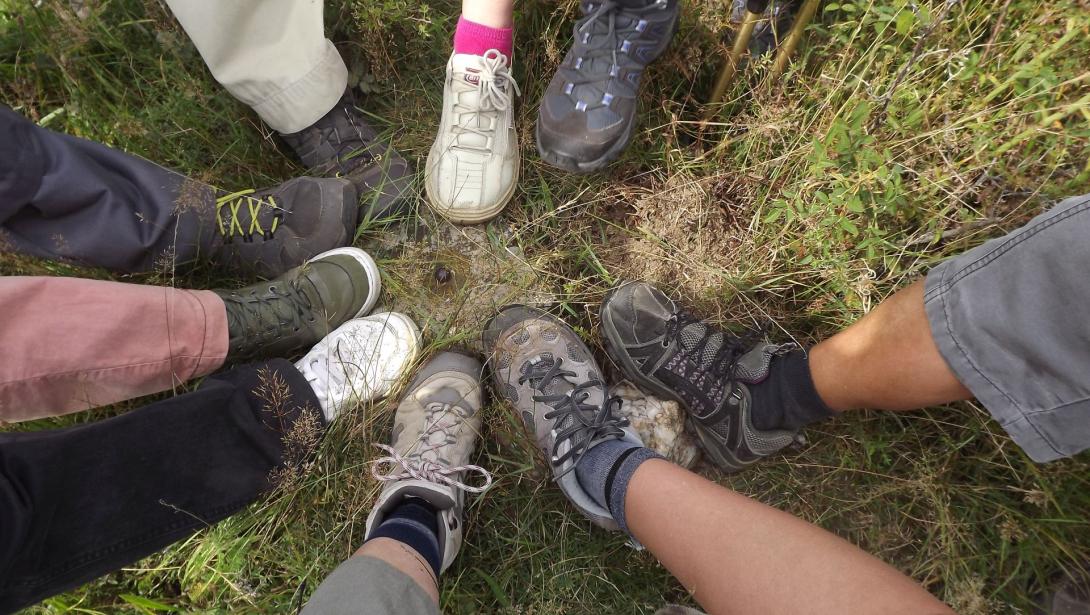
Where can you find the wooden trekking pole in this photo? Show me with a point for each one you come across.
(802, 19)
(754, 10)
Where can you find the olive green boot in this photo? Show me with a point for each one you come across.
(294, 311)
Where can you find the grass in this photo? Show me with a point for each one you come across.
(892, 142)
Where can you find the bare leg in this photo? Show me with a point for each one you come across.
(491, 13)
(406, 559)
(886, 360)
(737, 555)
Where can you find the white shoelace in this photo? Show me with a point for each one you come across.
(492, 96)
(425, 469)
(419, 465)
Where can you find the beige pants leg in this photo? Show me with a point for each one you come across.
(270, 54)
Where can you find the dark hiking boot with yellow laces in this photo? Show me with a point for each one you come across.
(342, 144)
(266, 232)
(297, 309)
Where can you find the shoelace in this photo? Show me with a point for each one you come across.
(336, 377)
(492, 98)
(234, 204)
(606, 13)
(422, 463)
(589, 423)
(288, 310)
(730, 349)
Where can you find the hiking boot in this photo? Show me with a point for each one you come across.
(292, 312)
(342, 144)
(549, 376)
(360, 361)
(673, 354)
(267, 232)
(436, 427)
(473, 166)
(589, 109)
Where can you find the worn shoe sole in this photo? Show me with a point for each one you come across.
(478, 216)
(572, 165)
(374, 278)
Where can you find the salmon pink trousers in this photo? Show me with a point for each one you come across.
(68, 344)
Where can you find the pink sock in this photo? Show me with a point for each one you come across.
(474, 38)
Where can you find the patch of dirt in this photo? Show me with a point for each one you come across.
(454, 279)
(685, 235)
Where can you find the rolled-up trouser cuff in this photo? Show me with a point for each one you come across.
(1009, 319)
(365, 585)
(304, 102)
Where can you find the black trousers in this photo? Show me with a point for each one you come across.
(66, 198)
(77, 503)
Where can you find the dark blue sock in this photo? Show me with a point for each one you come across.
(604, 472)
(415, 523)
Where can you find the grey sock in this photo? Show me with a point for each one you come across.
(604, 472)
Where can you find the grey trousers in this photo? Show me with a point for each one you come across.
(368, 586)
(1012, 319)
(66, 198)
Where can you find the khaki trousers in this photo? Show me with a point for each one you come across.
(270, 54)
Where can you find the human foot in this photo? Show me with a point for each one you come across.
(671, 353)
(295, 310)
(342, 144)
(360, 361)
(549, 376)
(473, 166)
(436, 427)
(588, 111)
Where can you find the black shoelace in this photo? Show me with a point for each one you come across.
(588, 422)
(725, 357)
(277, 313)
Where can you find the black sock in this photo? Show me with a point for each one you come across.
(414, 522)
(787, 399)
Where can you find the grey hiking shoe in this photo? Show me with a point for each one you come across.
(671, 353)
(588, 111)
(299, 308)
(343, 144)
(435, 431)
(542, 368)
(266, 232)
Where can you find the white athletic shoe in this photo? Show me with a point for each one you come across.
(473, 166)
(435, 431)
(360, 361)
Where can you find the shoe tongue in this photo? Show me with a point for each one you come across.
(466, 71)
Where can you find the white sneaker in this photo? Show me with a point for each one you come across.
(435, 431)
(360, 361)
(473, 166)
